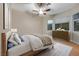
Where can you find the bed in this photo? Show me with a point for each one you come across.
(31, 43)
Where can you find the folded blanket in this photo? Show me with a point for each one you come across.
(46, 40)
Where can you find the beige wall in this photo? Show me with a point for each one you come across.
(27, 23)
(1, 23)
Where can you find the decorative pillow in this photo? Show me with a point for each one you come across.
(17, 39)
(12, 40)
(10, 45)
(8, 35)
(21, 39)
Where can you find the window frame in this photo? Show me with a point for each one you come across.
(74, 24)
(48, 24)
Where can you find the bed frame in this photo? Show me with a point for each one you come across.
(4, 51)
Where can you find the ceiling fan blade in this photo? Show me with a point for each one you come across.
(44, 13)
(39, 4)
(35, 10)
(48, 3)
(47, 10)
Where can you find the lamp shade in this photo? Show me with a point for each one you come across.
(13, 30)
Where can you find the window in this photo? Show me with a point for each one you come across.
(64, 26)
(76, 21)
(76, 16)
(49, 24)
(76, 25)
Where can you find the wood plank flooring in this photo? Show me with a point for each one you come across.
(74, 51)
(75, 47)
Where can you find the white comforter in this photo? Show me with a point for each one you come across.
(35, 42)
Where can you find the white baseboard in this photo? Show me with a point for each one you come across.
(74, 42)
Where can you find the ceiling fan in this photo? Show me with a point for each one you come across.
(42, 8)
(39, 5)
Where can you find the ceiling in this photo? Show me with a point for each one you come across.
(55, 7)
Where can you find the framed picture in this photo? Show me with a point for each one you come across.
(64, 26)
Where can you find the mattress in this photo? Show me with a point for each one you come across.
(20, 49)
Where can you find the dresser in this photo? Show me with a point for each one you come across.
(61, 35)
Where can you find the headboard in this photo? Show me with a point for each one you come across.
(4, 39)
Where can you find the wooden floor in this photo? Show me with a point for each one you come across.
(75, 47)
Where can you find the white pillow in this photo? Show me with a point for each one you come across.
(8, 34)
(17, 39)
(12, 40)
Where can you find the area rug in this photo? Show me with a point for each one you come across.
(58, 50)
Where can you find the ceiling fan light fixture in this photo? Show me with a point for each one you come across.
(40, 11)
(42, 8)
